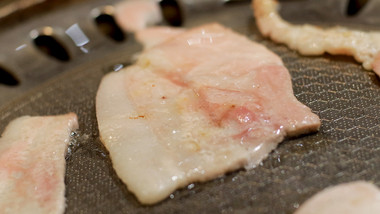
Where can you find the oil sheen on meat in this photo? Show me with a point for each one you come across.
(195, 106)
(32, 164)
(313, 40)
(358, 197)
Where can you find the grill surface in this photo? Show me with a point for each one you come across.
(347, 147)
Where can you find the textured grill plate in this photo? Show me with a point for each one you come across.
(346, 148)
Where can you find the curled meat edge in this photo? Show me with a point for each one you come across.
(313, 40)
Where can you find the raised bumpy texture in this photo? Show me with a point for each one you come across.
(345, 96)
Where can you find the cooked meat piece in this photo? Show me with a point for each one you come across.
(313, 40)
(350, 198)
(197, 105)
(152, 36)
(32, 164)
(134, 15)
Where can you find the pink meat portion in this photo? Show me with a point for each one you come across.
(195, 106)
(134, 15)
(32, 164)
(152, 36)
(212, 59)
(358, 197)
(376, 65)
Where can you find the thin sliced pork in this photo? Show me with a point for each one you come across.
(358, 197)
(194, 107)
(32, 164)
(152, 36)
(135, 15)
(313, 40)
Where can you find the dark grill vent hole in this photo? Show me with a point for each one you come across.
(354, 6)
(108, 26)
(172, 12)
(7, 78)
(50, 46)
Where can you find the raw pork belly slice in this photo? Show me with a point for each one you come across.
(32, 164)
(152, 36)
(358, 197)
(194, 107)
(135, 15)
(313, 40)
